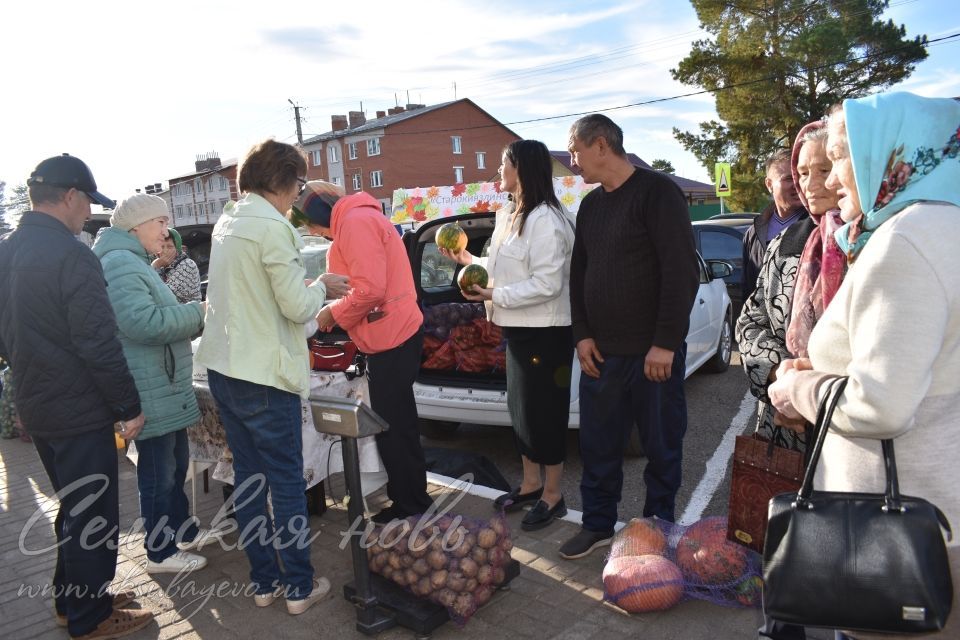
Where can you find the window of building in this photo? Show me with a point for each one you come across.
(179, 211)
(457, 145)
(333, 153)
(199, 186)
(352, 150)
(357, 181)
(481, 160)
(316, 155)
(224, 185)
(199, 208)
(376, 178)
(457, 175)
(211, 184)
(373, 147)
(337, 180)
(190, 210)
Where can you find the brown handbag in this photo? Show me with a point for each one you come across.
(761, 470)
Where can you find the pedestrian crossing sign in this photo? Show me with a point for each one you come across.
(722, 179)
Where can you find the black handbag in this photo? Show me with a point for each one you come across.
(855, 561)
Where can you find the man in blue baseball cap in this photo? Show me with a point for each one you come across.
(73, 388)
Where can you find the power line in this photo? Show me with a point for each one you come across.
(927, 44)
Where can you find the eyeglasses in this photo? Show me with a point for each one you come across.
(303, 185)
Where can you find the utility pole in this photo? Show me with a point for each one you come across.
(296, 115)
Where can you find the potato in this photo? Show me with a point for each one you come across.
(487, 538)
(406, 560)
(479, 555)
(419, 545)
(499, 576)
(387, 571)
(506, 544)
(499, 527)
(400, 577)
(438, 579)
(463, 550)
(437, 559)
(424, 587)
(411, 577)
(436, 544)
(483, 595)
(485, 574)
(496, 556)
(374, 549)
(377, 562)
(471, 585)
(454, 539)
(394, 560)
(421, 567)
(468, 567)
(446, 597)
(456, 581)
(464, 606)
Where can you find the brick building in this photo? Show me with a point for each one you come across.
(415, 145)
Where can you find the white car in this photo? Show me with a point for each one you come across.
(447, 397)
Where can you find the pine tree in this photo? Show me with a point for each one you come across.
(17, 205)
(663, 165)
(778, 64)
(4, 226)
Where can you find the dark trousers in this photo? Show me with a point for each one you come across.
(83, 472)
(391, 375)
(621, 399)
(161, 473)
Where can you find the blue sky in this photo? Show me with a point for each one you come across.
(138, 89)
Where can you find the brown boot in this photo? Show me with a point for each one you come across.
(120, 600)
(122, 622)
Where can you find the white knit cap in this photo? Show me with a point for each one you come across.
(137, 209)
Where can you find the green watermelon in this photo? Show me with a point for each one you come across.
(452, 237)
(471, 275)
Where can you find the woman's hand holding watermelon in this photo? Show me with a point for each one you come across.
(460, 256)
(478, 293)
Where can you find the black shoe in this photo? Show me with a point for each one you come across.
(584, 543)
(516, 499)
(388, 514)
(541, 515)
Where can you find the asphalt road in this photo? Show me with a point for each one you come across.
(713, 403)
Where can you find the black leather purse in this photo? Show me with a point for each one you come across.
(856, 561)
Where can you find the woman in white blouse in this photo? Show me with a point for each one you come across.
(528, 291)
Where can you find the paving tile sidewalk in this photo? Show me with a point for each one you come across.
(551, 598)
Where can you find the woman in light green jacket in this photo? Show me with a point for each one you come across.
(155, 331)
(255, 350)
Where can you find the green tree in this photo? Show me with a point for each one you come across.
(4, 226)
(17, 204)
(663, 165)
(775, 65)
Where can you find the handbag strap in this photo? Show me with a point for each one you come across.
(824, 417)
(820, 428)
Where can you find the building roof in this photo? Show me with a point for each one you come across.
(686, 184)
(205, 172)
(389, 120)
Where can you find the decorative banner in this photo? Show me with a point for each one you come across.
(420, 204)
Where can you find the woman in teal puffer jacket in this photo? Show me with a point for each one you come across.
(155, 330)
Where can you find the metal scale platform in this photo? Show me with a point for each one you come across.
(380, 603)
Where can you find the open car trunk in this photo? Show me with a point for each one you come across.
(461, 347)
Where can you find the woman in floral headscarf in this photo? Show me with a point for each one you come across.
(801, 271)
(894, 325)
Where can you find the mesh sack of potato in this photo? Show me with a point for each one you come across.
(654, 564)
(455, 561)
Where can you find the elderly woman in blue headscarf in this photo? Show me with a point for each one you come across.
(894, 326)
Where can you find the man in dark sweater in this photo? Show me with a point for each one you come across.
(633, 279)
(59, 334)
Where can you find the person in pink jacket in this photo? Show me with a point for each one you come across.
(381, 315)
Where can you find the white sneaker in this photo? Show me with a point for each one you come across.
(180, 561)
(320, 590)
(204, 537)
(266, 599)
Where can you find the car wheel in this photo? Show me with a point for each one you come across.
(438, 429)
(634, 448)
(720, 361)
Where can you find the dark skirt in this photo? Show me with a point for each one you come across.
(539, 361)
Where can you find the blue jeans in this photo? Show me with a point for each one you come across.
(161, 472)
(263, 427)
(620, 400)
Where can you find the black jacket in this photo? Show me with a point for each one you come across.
(59, 334)
(755, 246)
